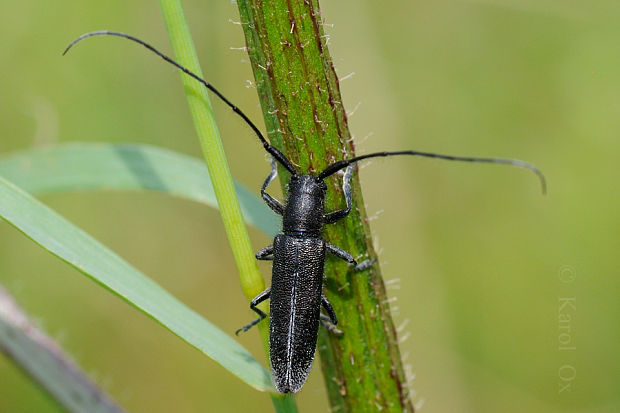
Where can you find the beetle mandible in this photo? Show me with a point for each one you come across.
(298, 253)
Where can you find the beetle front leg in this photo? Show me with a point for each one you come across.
(261, 314)
(346, 188)
(271, 202)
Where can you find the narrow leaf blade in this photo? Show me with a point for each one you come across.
(45, 362)
(83, 252)
(88, 166)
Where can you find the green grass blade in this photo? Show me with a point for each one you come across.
(83, 252)
(87, 166)
(45, 362)
(252, 282)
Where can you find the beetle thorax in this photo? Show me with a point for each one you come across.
(303, 213)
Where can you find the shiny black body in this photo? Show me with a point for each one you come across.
(294, 312)
(304, 208)
(298, 253)
(295, 295)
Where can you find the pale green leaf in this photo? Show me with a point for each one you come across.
(88, 166)
(41, 358)
(80, 250)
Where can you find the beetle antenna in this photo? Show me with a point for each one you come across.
(336, 166)
(272, 150)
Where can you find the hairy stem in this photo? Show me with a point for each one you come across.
(303, 110)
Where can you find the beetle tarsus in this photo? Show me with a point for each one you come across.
(364, 265)
(331, 327)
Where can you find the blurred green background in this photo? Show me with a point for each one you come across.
(480, 261)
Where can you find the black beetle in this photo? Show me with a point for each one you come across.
(298, 253)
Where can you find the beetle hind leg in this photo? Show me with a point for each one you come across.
(261, 314)
(330, 321)
(331, 327)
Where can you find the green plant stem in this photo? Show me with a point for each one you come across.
(212, 148)
(251, 281)
(305, 118)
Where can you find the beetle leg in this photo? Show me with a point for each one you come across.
(340, 253)
(271, 202)
(261, 315)
(365, 264)
(329, 321)
(331, 327)
(265, 254)
(332, 217)
(330, 310)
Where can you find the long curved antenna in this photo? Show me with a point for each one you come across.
(279, 156)
(336, 166)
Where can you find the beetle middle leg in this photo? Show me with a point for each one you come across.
(261, 314)
(266, 254)
(340, 253)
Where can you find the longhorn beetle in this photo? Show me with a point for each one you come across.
(298, 253)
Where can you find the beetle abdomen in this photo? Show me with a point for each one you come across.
(295, 309)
